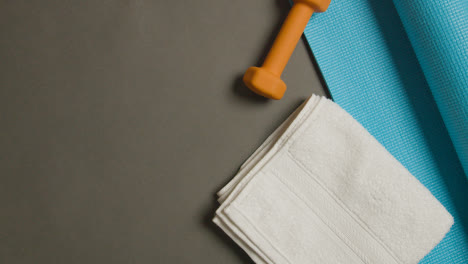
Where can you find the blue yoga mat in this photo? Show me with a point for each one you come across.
(438, 31)
(400, 68)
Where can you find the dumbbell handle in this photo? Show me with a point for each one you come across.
(288, 37)
(266, 80)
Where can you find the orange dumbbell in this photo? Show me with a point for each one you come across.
(266, 80)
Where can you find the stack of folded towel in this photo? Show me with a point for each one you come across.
(321, 189)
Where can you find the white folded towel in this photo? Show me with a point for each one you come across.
(321, 189)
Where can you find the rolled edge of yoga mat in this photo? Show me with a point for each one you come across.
(438, 32)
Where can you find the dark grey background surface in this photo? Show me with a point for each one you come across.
(119, 120)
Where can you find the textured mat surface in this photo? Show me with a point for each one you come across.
(438, 31)
(372, 71)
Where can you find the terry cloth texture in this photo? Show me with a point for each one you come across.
(321, 189)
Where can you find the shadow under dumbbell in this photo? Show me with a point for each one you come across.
(242, 91)
(283, 10)
(239, 89)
